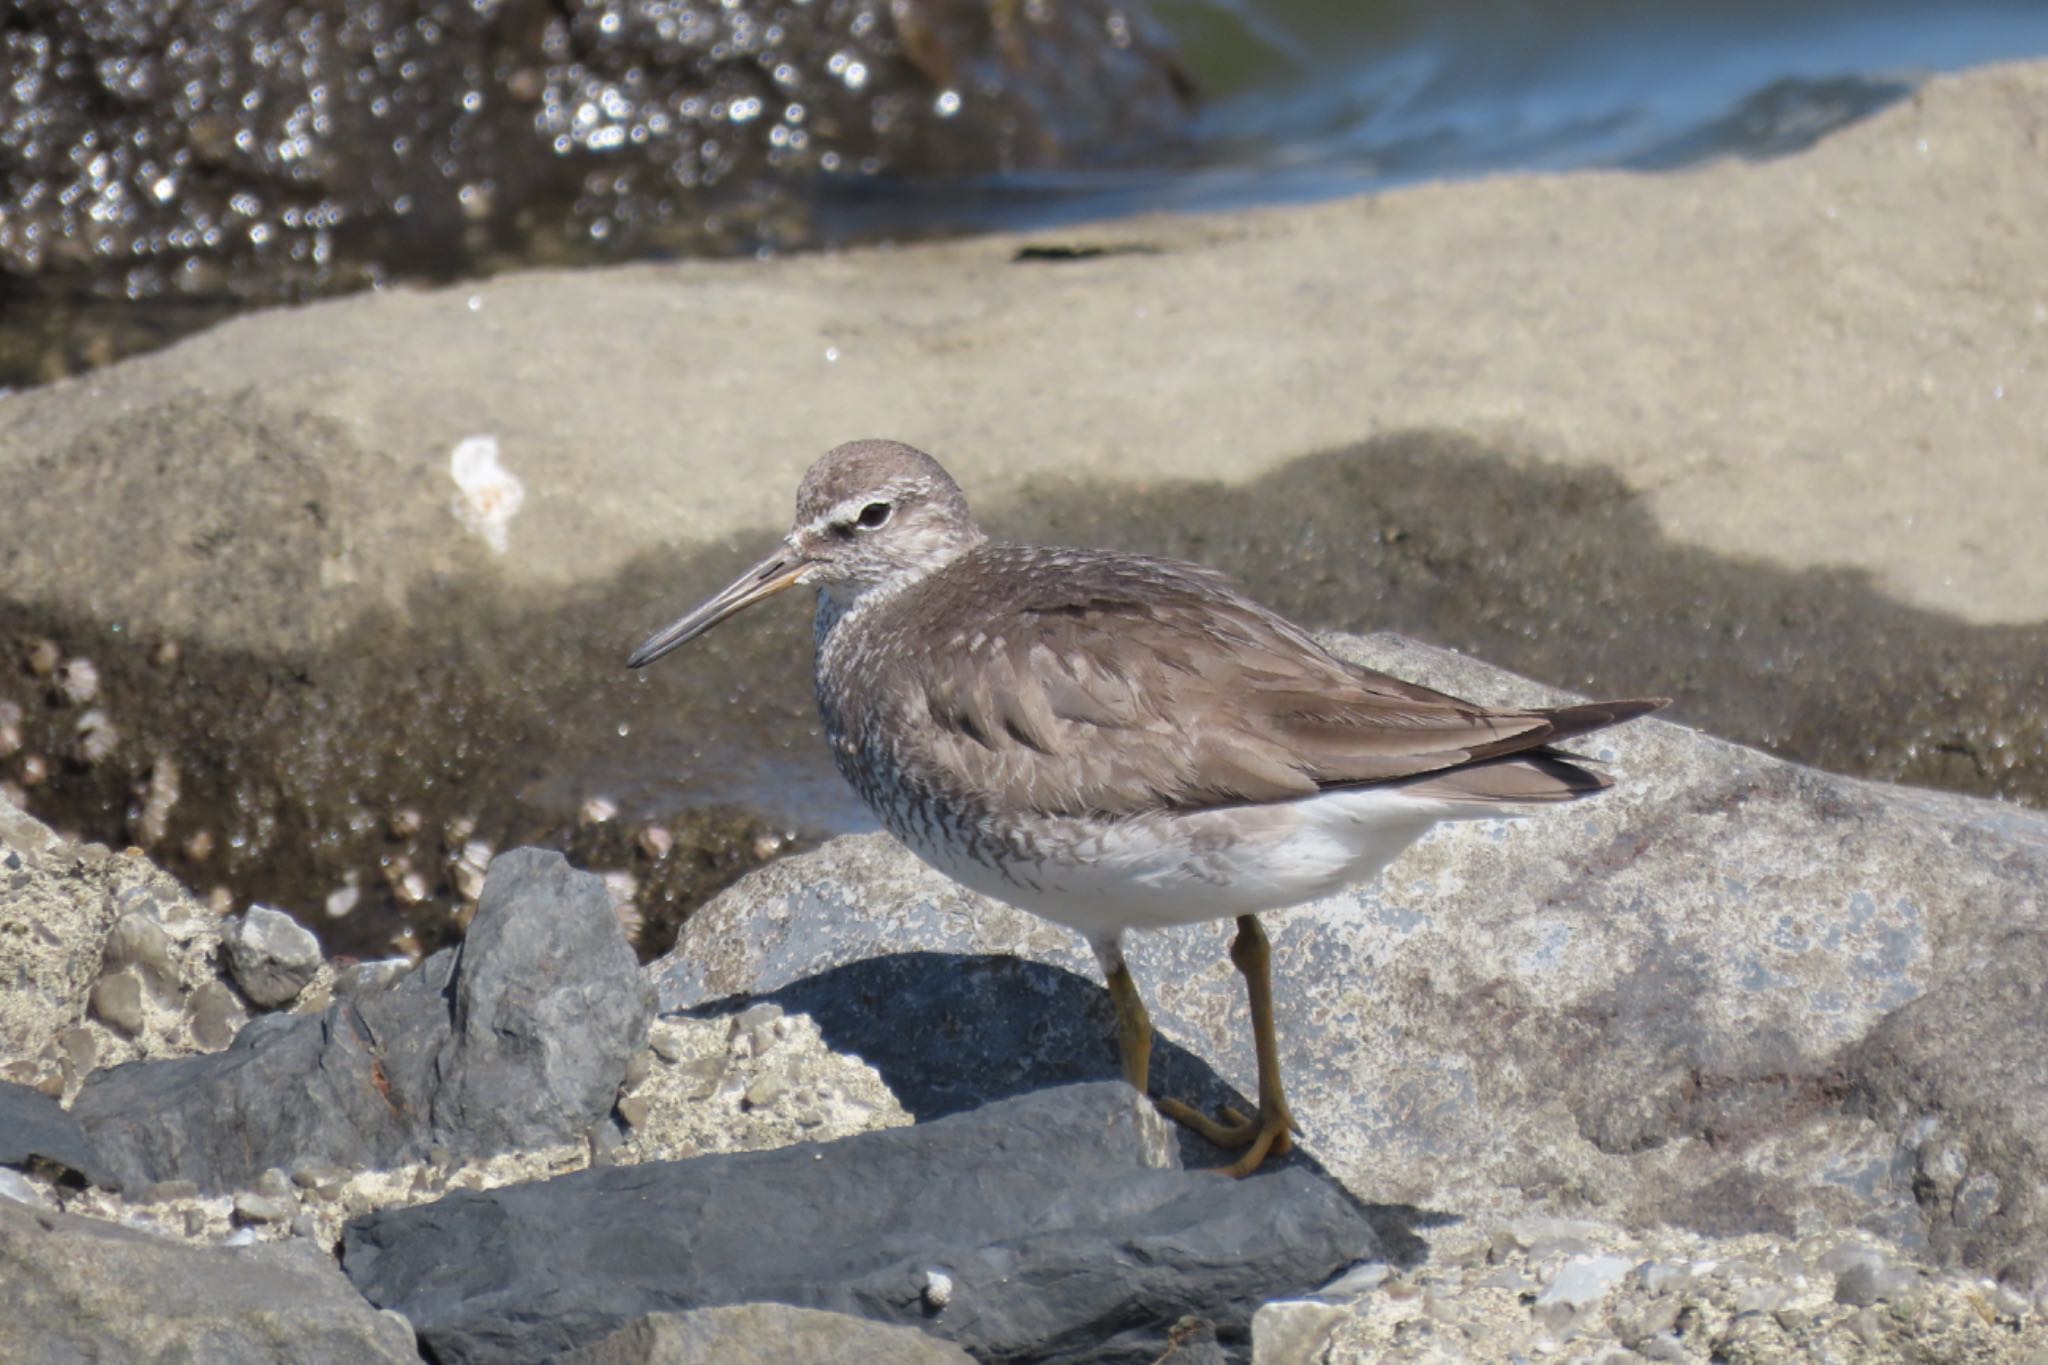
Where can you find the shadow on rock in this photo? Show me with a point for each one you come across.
(950, 1032)
(351, 763)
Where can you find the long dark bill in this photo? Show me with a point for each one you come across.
(783, 569)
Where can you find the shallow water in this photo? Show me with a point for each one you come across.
(1302, 99)
(1311, 99)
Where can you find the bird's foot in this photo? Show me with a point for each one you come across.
(1261, 1135)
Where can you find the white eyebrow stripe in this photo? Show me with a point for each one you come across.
(845, 512)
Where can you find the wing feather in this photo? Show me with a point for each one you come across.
(1112, 685)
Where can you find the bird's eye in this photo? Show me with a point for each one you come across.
(873, 515)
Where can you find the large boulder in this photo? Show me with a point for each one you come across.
(82, 1289)
(1053, 1226)
(1733, 994)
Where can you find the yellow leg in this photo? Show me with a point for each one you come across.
(1271, 1130)
(1133, 1028)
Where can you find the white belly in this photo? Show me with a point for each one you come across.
(1160, 870)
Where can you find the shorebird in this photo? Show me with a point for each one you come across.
(1115, 742)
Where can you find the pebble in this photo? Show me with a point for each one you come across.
(215, 1015)
(271, 955)
(79, 681)
(117, 1001)
(323, 1178)
(167, 1191)
(18, 1187)
(1583, 1281)
(252, 1208)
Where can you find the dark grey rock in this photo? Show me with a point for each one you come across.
(765, 1334)
(272, 956)
(518, 1038)
(1731, 994)
(288, 1088)
(82, 1290)
(550, 1005)
(36, 1133)
(1059, 1217)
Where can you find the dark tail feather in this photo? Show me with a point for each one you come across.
(1538, 773)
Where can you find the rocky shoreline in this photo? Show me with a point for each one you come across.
(1740, 1062)
(855, 1089)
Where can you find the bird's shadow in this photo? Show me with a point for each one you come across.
(952, 1031)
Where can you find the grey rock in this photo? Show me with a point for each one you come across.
(765, 1334)
(79, 1289)
(1727, 954)
(216, 1015)
(544, 1033)
(1857, 1286)
(263, 1208)
(517, 1038)
(1967, 1053)
(287, 1088)
(138, 939)
(37, 1134)
(1059, 1217)
(117, 1001)
(272, 956)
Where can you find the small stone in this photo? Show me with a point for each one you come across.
(1359, 1279)
(1583, 1281)
(272, 956)
(703, 1076)
(1649, 1319)
(633, 1111)
(216, 1016)
(78, 680)
(274, 1184)
(43, 658)
(195, 1222)
(667, 1045)
(1857, 1286)
(1868, 1327)
(97, 737)
(1760, 1298)
(1976, 1199)
(1292, 1330)
(136, 939)
(1847, 1254)
(165, 1191)
(19, 1188)
(766, 1090)
(79, 1048)
(323, 1178)
(1661, 1277)
(252, 1209)
(117, 1001)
